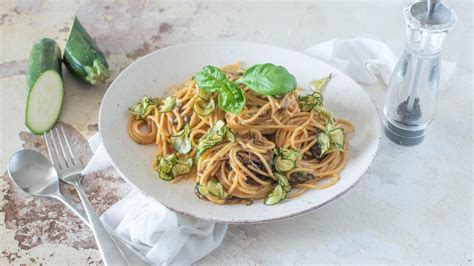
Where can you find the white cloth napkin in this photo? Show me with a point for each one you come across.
(164, 237)
(364, 59)
(161, 236)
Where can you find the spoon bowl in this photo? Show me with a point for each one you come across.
(33, 173)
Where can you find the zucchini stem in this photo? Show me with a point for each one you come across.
(98, 72)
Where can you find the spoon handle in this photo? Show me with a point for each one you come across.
(73, 208)
(111, 254)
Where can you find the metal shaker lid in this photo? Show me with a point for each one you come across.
(431, 15)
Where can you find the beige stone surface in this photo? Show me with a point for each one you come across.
(413, 206)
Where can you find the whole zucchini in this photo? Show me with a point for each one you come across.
(83, 57)
(45, 86)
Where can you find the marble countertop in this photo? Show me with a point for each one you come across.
(413, 206)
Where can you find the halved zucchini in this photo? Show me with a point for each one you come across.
(83, 57)
(45, 86)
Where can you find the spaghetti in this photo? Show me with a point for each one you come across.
(272, 149)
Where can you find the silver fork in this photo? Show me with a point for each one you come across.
(69, 169)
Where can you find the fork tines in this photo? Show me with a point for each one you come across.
(60, 152)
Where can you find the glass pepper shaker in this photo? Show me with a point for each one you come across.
(414, 87)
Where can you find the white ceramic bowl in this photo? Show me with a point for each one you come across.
(154, 73)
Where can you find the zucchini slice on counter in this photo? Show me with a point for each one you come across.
(45, 86)
(83, 57)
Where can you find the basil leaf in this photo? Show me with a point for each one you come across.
(210, 79)
(181, 141)
(215, 135)
(231, 98)
(168, 104)
(143, 107)
(268, 79)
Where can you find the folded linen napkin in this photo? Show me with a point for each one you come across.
(161, 236)
(164, 237)
(364, 59)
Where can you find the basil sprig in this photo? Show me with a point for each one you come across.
(211, 79)
(231, 98)
(268, 79)
(264, 79)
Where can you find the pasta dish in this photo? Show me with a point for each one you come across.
(243, 135)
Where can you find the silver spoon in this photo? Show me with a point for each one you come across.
(32, 173)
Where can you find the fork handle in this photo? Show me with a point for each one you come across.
(132, 256)
(111, 254)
